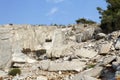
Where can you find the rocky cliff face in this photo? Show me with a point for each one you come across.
(16, 37)
(54, 53)
(5, 47)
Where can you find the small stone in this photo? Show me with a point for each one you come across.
(84, 77)
(100, 36)
(2, 73)
(42, 78)
(117, 75)
(108, 59)
(86, 53)
(117, 45)
(104, 48)
(94, 72)
(59, 72)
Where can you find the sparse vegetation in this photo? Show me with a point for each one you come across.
(41, 51)
(26, 50)
(91, 65)
(54, 24)
(84, 21)
(14, 71)
(48, 40)
(10, 24)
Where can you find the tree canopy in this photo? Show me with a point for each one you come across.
(110, 18)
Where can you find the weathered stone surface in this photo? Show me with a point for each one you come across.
(6, 36)
(18, 56)
(117, 45)
(31, 37)
(115, 65)
(108, 60)
(100, 36)
(108, 73)
(2, 73)
(67, 66)
(58, 43)
(44, 64)
(61, 49)
(21, 58)
(85, 35)
(5, 29)
(94, 72)
(62, 66)
(104, 48)
(86, 53)
(5, 53)
(41, 78)
(117, 75)
(5, 47)
(84, 77)
(18, 64)
(16, 37)
(118, 59)
(114, 35)
(63, 55)
(118, 68)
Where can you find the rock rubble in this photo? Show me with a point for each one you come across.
(55, 53)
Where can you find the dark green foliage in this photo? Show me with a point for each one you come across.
(91, 66)
(110, 17)
(53, 24)
(40, 52)
(84, 21)
(26, 50)
(14, 71)
(10, 24)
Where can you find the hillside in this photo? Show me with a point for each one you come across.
(76, 52)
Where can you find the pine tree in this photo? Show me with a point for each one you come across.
(110, 18)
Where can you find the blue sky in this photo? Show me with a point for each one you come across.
(48, 11)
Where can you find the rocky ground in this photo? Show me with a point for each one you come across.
(76, 52)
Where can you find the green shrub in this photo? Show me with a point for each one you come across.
(85, 21)
(14, 71)
(26, 50)
(91, 66)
